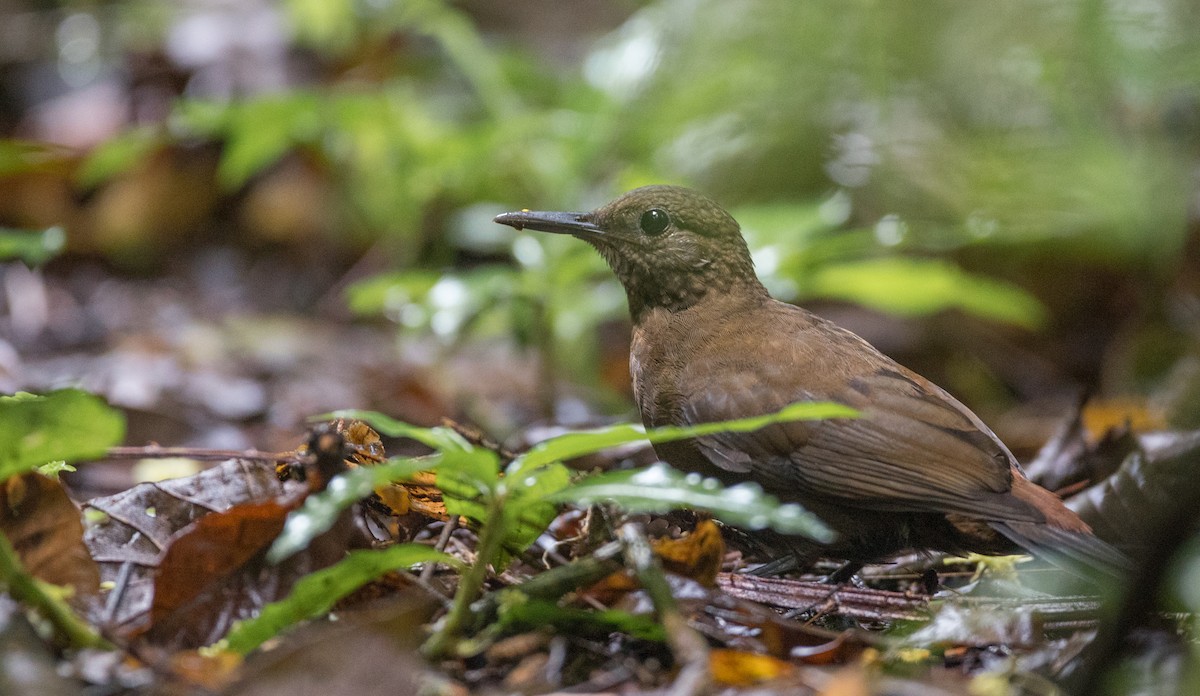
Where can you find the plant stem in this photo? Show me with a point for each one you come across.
(553, 584)
(689, 647)
(490, 537)
(28, 589)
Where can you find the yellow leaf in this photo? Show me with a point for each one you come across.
(737, 668)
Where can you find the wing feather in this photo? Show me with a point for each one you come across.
(915, 448)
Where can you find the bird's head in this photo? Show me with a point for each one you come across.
(669, 246)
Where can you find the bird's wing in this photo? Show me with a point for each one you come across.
(914, 448)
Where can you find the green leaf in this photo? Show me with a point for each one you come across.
(23, 156)
(321, 510)
(117, 155)
(390, 293)
(67, 425)
(467, 480)
(914, 287)
(315, 593)
(34, 247)
(660, 488)
(326, 24)
(572, 445)
(528, 510)
(259, 132)
(55, 468)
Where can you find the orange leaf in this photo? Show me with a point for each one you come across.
(698, 555)
(1101, 415)
(737, 668)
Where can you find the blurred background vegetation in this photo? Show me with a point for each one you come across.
(1032, 167)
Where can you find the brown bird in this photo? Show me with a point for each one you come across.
(917, 470)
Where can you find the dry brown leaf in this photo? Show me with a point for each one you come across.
(697, 556)
(43, 526)
(140, 523)
(420, 495)
(210, 550)
(214, 571)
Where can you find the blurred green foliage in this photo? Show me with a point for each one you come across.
(63, 425)
(1035, 121)
(861, 144)
(34, 247)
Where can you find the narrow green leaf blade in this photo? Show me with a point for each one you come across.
(467, 479)
(66, 425)
(660, 488)
(572, 445)
(117, 155)
(314, 594)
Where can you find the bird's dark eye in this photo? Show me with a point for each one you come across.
(655, 221)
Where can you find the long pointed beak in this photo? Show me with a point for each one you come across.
(576, 224)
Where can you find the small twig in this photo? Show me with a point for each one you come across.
(199, 454)
(874, 605)
(443, 540)
(117, 593)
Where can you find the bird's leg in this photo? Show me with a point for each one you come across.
(929, 581)
(844, 574)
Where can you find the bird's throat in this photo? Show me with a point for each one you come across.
(649, 284)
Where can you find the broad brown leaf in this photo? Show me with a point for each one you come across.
(140, 523)
(204, 559)
(214, 571)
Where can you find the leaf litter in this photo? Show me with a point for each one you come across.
(188, 558)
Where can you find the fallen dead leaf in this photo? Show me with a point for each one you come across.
(697, 555)
(738, 668)
(43, 526)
